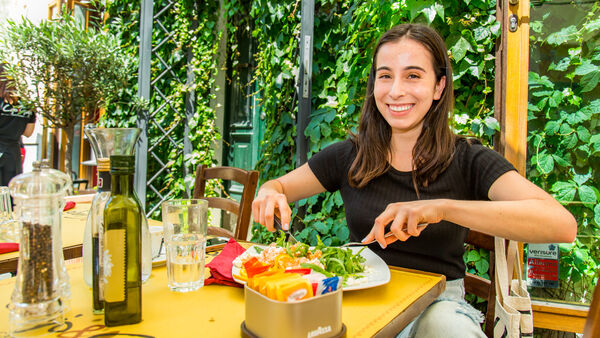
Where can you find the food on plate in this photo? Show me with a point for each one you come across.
(253, 266)
(317, 262)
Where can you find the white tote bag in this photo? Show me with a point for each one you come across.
(513, 317)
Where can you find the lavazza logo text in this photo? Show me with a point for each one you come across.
(319, 331)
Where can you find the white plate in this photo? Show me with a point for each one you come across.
(376, 271)
(160, 260)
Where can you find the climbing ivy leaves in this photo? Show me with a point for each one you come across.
(185, 40)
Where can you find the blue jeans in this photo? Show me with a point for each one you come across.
(448, 316)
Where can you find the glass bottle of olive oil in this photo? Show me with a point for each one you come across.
(122, 247)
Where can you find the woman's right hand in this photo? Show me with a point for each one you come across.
(271, 201)
(274, 196)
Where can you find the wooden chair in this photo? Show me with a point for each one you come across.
(592, 324)
(482, 287)
(243, 209)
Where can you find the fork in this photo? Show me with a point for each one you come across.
(277, 224)
(373, 241)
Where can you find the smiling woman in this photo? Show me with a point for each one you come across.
(406, 166)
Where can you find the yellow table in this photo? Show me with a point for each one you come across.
(218, 311)
(73, 225)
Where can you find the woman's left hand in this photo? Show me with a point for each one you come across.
(404, 218)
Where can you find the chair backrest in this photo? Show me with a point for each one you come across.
(243, 209)
(482, 287)
(77, 182)
(592, 324)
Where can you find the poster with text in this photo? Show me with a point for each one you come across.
(542, 265)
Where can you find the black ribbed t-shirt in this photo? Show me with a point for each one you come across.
(440, 246)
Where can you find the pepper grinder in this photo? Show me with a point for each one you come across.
(40, 292)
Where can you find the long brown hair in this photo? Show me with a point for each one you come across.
(6, 86)
(435, 146)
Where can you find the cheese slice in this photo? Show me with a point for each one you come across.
(296, 289)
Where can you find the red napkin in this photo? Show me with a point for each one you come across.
(220, 266)
(69, 205)
(8, 247)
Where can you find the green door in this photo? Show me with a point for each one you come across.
(243, 122)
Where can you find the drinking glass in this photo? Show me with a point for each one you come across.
(5, 205)
(9, 227)
(184, 225)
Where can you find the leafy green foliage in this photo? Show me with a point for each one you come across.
(564, 148)
(187, 43)
(477, 262)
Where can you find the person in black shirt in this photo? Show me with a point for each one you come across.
(13, 124)
(406, 167)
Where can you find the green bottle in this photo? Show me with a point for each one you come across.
(122, 247)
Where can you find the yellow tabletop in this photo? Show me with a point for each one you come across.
(73, 224)
(218, 311)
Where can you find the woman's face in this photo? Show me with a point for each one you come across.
(405, 84)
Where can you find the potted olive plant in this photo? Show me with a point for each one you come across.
(64, 72)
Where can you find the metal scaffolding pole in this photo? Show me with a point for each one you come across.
(141, 158)
(305, 79)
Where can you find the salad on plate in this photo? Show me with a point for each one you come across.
(355, 266)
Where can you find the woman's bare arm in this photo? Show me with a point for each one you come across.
(518, 210)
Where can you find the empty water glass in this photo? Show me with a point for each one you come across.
(9, 231)
(185, 225)
(5, 205)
